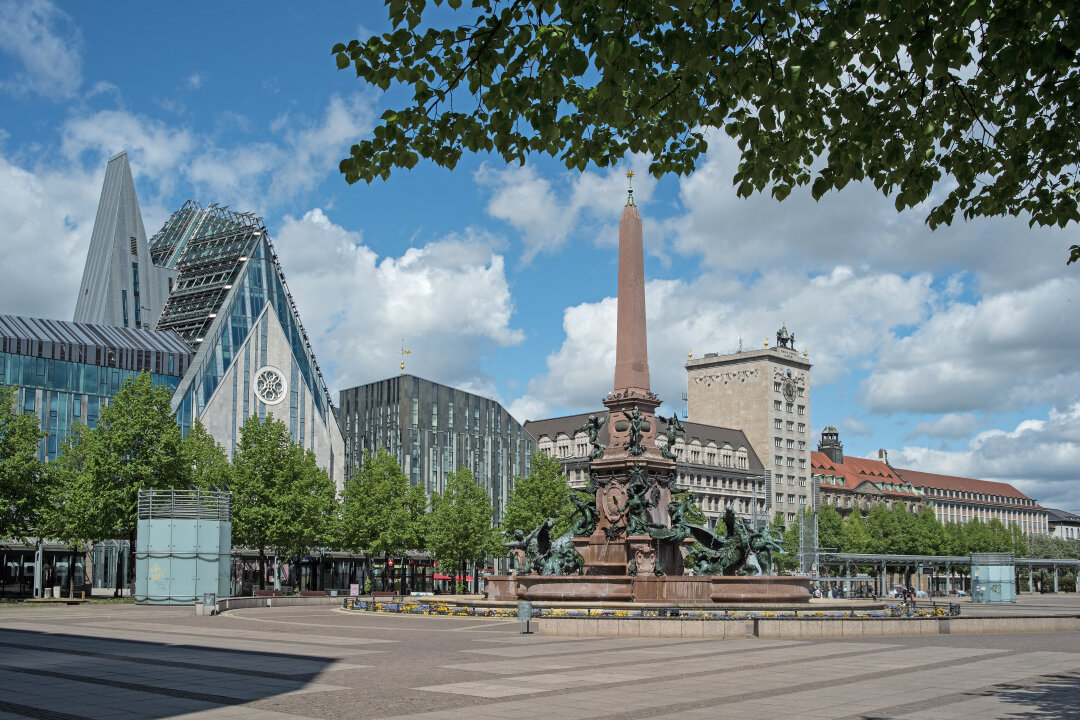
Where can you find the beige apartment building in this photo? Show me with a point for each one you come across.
(766, 394)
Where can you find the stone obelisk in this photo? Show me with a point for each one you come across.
(632, 478)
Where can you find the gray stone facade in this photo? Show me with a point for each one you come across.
(766, 394)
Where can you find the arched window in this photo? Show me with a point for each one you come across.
(742, 459)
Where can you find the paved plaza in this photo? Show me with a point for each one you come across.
(121, 661)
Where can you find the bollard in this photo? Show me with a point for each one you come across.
(524, 616)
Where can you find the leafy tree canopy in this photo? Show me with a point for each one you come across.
(981, 97)
(541, 494)
(136, 446)
(204, 459)
(382, 513)
(21, 491)
(282, 500)
(459, 530)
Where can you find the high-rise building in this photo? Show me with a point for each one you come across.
(766, 394)
(434, 430)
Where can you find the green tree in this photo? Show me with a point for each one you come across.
(543, 493)
(136, 446)
(460, 530)
(978, 536)
(204, 459)
(20, 470)
(880, 525)
(283, 502)
(901, 531)
(381, 513)
(789, 560)
(830, 529)
(1019, 546)
(928, 535)
(856, 536)
(977, 97)
(72, 506)
(955, 539)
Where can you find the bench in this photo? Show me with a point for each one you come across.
(269, 593)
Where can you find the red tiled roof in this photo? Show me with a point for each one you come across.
(855, 471)
(951, 482)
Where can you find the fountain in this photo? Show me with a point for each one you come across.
(632, 542)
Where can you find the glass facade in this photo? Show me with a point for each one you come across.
(66, 372)
(227, 274)
(415, 420)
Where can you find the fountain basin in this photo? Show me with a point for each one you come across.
(650, 588)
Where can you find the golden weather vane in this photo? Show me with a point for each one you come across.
(630, 187)
(404, 352)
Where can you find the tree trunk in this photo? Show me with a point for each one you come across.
(131, 563)
(262, 569)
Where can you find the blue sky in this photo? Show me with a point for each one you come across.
(955, 350)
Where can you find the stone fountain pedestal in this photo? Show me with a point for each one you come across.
(665, 589)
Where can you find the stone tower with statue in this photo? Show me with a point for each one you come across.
(632, 540)
(766, 393)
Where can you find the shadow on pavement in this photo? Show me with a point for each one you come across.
(1057, 696)
(70, 676)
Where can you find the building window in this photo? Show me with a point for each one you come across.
(802, 409)
(134, 246)
(776, 405)
(123, 305)
(801, 391)
(777, 441)
(778, 423)
(790, 425)
(788, 407)
(779, 497)
(791, 462)
(790, 444)
(802, 444)
(776, 386)
(802, 427)
(778, 461)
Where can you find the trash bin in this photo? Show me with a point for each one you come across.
(209, 600)
(524, 613)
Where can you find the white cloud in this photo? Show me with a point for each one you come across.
(194, 81)
(1039, 457)
(546, 214)
(46, 214)
(47, 46)
(711, 313)
(758, 232)
(449, 300)
(856, 427)
(950, 425)
(1006, 351)
(254, 176)
(528, 407)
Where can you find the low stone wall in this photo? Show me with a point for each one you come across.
(795, 628)
(236, 603)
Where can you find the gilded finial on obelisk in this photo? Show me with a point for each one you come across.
(630, 187)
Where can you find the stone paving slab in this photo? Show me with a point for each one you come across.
(127, 662)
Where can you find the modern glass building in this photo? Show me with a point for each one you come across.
(67, 371)
(210, 278)
(433, 430)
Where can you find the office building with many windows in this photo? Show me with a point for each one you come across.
(434, 430)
